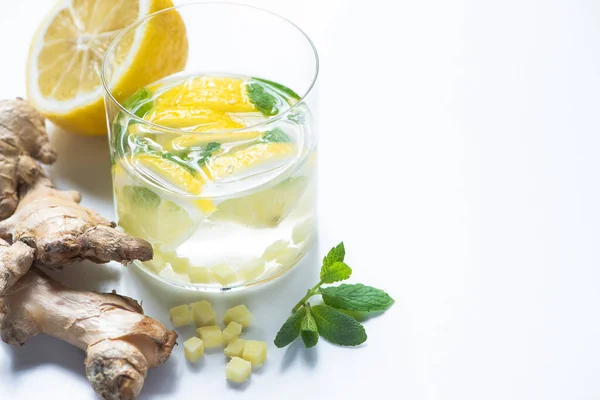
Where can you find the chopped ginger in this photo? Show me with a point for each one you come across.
(211, 336)
(203, 313)
(239, 314)
(288, 256)
(252, 269)
(255, 351)
(238, 370)
(199, 274)
(232, 331)
(181, 315)
(179, 264)
(303, 231)
(224, 274)
(275, 249)
(193, 348)
(235, 348)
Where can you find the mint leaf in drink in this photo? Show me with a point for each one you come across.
(357, 297)
(308, 329)
(180, 159)
(208, 152)
(335, 254)
(290, 329)
(337, 327)
(275, 135)
(265, 102)
(279, 87)
(338, 271)
(139, 103)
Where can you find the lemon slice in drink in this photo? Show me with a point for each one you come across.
(259, 156)
(65, 58)
(266, 208)
(145, 214)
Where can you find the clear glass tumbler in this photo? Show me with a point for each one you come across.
(214, 160)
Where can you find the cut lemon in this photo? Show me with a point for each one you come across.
(196, 119)
(169, 172)
(194, 141)
(208, 92)
(65, 58)
(266, 208)
(144, 214)
(260, 155)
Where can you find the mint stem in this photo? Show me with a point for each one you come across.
(310, 293)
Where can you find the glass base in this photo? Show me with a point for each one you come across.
(213, 287)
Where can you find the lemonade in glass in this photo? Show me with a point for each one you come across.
(215, 164)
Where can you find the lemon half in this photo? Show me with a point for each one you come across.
(65, 58)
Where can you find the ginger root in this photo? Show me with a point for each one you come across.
(121, 343)
(61, 231)
(15, 261)
(22, 133)
(50, 221)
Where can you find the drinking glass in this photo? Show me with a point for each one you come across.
(238, 230)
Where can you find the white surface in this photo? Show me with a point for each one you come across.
(459, 163)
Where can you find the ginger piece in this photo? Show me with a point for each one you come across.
(235, 348)
(61, 231)
(211, 336)
(239, 314)
(22, 134)
(231, 332)
(238, 370)
(15, 261)
(120, 341)
(193, 349)
(181, 315)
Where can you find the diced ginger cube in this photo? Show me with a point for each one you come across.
(289, 256)
(179, 264)
(224, 274)
(211, 336)
(181, 315)
(274, 249)
(157, 263)
(303, 230)
(193, 349)
(235, 348)
(232, 331)
(238, 370)
(255, 351)
(171, 275)
(203, 313)
(199, 274)
(239, 314)
(252, 269)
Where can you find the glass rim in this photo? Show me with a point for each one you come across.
(166, 129)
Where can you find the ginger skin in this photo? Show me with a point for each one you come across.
(62, 231)
(121, 343)
(15, 261)
(22, 133)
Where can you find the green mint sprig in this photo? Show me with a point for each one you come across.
(326, 320)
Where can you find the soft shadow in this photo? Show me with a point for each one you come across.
(291, 354)
(161, 380)
(240, 387)
(83, 163)
(196, 366)
(362, 316)
(87, 275)
(44, 349)
(311, 357)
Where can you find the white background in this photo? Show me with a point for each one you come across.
(459, 163)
